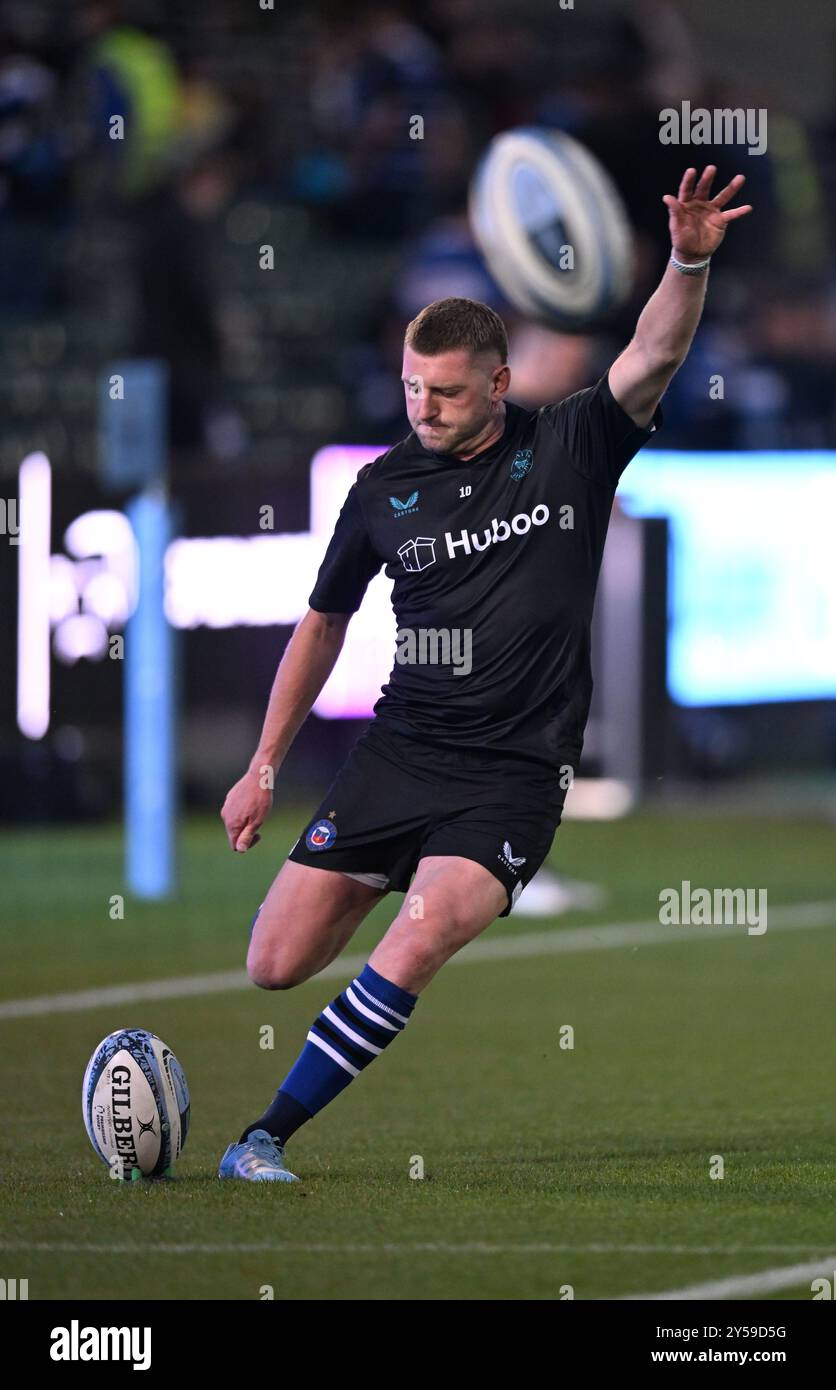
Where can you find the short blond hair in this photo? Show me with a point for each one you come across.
(447, 324)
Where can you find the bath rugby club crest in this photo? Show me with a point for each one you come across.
(321, 835)
(521, 464)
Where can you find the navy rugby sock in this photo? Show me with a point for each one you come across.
(349, 1033)
(281, 1119)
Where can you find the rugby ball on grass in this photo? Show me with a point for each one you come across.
(136, 1104)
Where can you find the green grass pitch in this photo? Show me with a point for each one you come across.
(544, 1167)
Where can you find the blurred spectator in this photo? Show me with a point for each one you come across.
(493, 62)
(34, 187)
(175, 278)
(129, 74)
(346, 86)
(444, 261)
(377, 77)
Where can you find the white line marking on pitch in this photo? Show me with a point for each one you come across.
(553, 942)
(768, 1281)
(417, 1248)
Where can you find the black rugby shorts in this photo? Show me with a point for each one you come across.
(396, 800)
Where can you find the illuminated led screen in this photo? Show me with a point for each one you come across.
(752, 579)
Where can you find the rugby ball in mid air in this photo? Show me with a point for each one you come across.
(136, 1104)
(552, 227)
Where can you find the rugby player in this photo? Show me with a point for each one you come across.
(490, 520)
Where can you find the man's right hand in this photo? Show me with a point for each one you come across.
(246, 808)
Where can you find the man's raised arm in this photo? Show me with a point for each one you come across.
(666, 326)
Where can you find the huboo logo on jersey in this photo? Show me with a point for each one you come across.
(498, 531)
(419, 552)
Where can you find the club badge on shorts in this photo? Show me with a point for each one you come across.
(321, 835)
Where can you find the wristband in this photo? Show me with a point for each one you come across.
(685, 269)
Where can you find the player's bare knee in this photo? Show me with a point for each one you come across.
(259, 972)
(436, 929)
(412, 948)
(270, 971)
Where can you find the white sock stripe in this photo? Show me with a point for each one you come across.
(404, 1018)
(349, 1032)
(332, 1052)
(361, 1008)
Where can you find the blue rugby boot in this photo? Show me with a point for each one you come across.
(259, 1159)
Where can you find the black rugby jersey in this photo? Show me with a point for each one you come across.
(495, 561)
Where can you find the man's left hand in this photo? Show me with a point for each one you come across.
(697, 223)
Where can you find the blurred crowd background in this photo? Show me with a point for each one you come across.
(250, 126)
